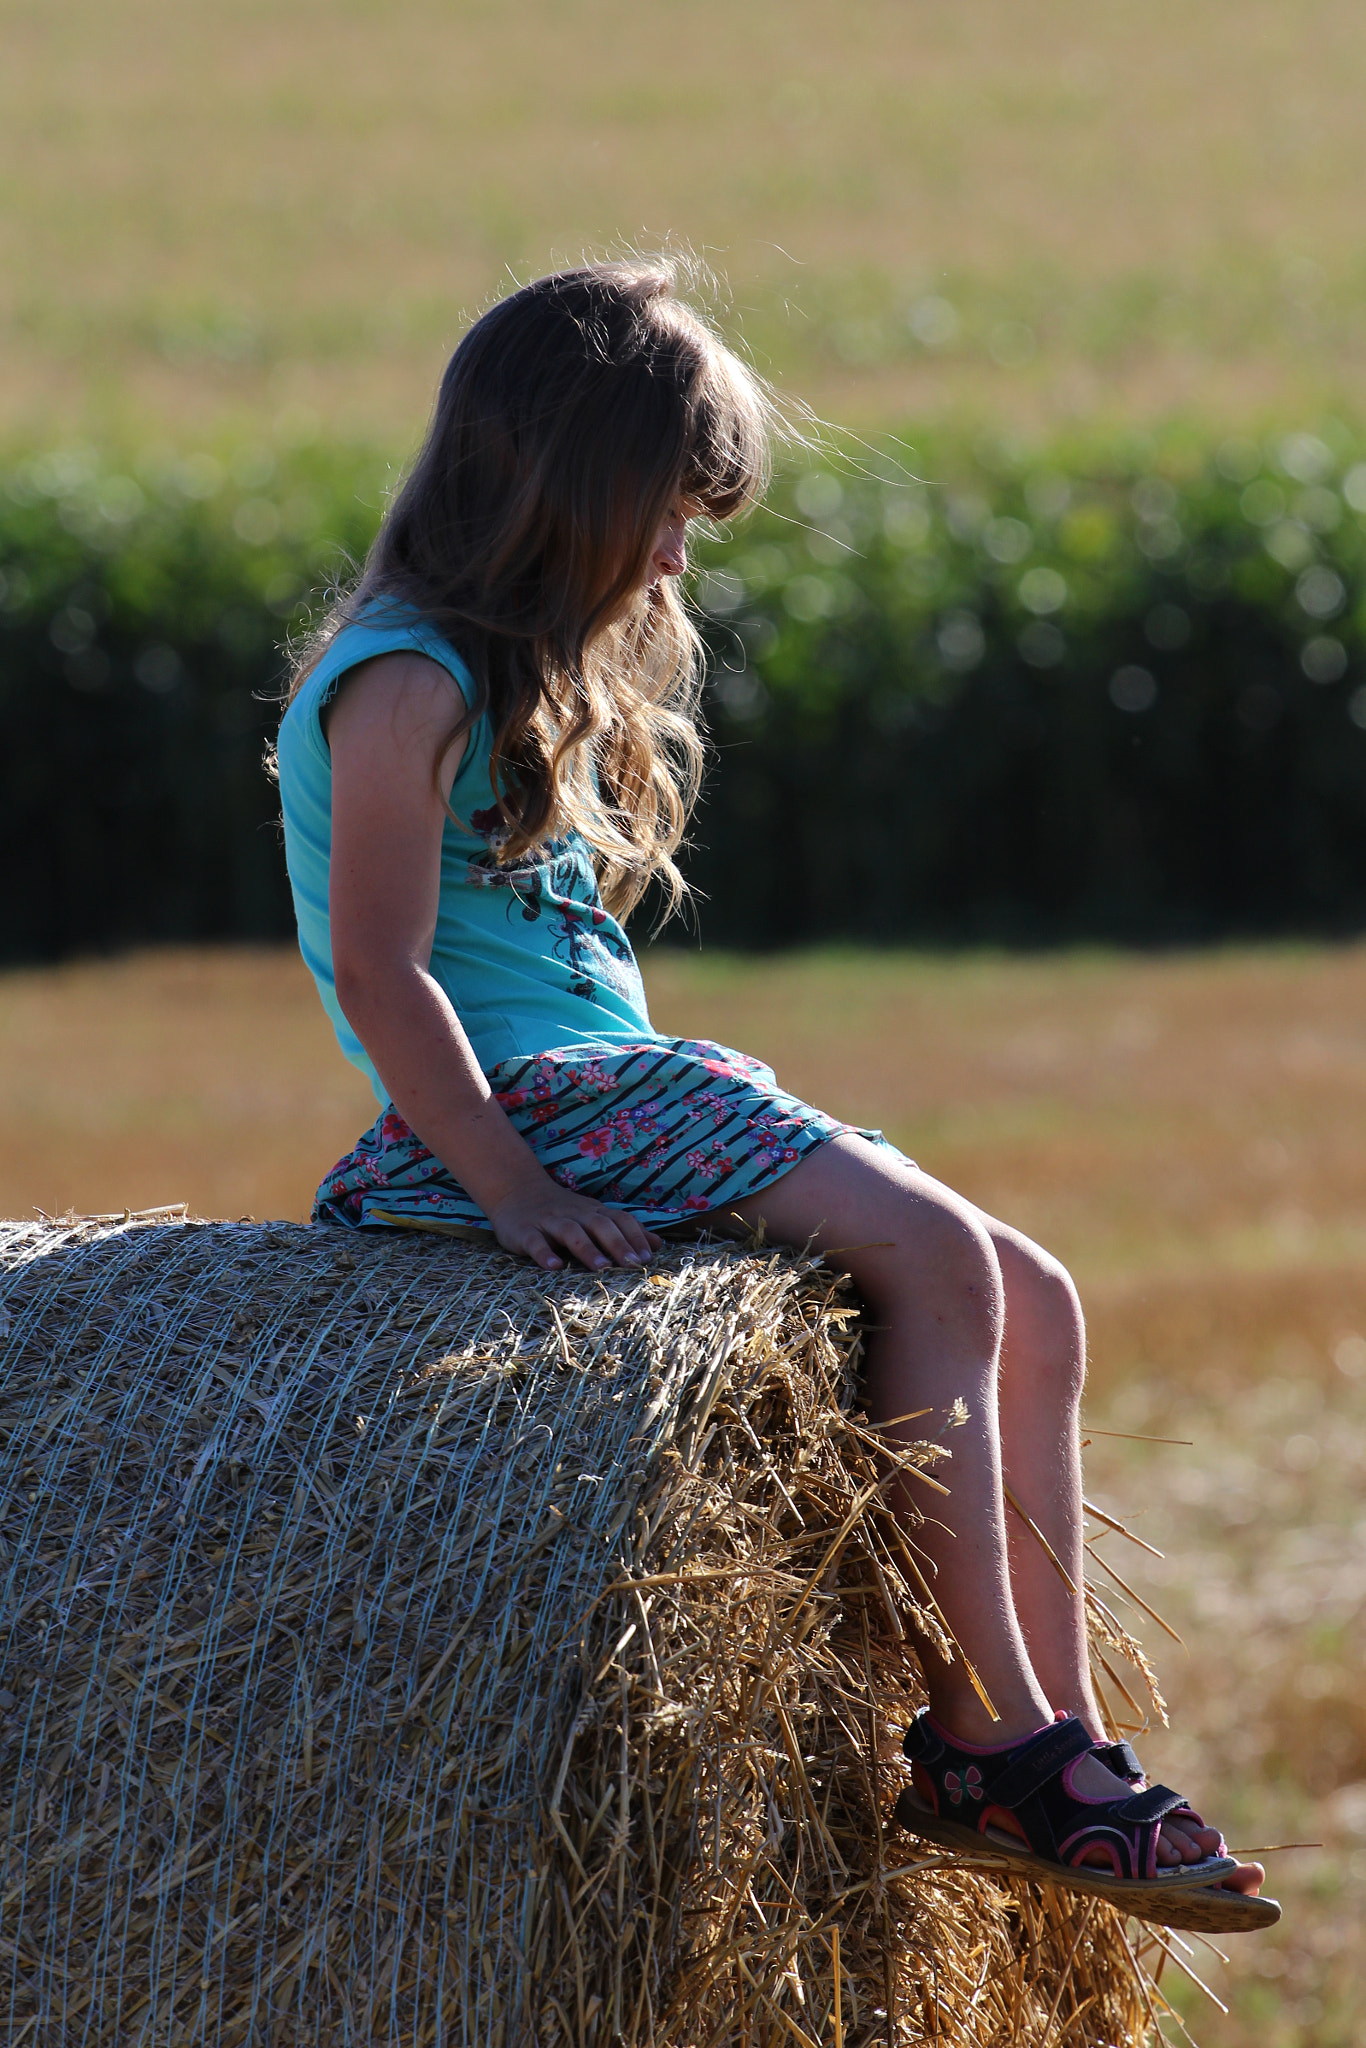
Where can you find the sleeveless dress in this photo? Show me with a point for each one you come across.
(546, 986)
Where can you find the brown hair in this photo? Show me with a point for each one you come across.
(571, 417)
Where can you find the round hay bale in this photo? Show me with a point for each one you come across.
(404, 1646)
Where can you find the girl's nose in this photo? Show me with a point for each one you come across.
(670, 555)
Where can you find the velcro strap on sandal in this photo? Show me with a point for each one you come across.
(1046, 1755)
(1155, 1802)
(920, 1743)
(1118, 1756)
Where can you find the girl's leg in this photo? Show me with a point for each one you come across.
(1043, 1367)
(924, 1263)
(965, 1308)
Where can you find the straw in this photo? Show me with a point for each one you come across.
(404, 1646)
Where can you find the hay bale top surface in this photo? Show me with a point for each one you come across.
(404, 1645)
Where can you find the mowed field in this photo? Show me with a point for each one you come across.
(277, 213)
(1189, 1133)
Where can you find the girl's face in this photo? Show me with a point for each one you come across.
(669, 556)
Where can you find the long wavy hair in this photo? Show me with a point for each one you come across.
(572, 417)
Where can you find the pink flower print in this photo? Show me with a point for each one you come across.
(697, 1202)
(512, 1098)
(593, 1144)
(761, 1159)
(392, 1128)
(969, 1786)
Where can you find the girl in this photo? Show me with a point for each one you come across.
(488, 755)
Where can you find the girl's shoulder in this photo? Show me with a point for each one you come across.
(383, 627)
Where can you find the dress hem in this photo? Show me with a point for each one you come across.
(666, 1130)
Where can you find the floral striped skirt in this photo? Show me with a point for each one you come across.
(667, 1128)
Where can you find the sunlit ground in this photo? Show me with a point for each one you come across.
(1188, 1133)
(1022, 211)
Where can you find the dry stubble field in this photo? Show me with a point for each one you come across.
(276, 212)
(1189, 1133)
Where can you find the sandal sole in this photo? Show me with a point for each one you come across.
(1189, 1902)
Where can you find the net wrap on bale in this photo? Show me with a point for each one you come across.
(402, 1646)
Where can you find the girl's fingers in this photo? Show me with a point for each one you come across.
(575, 1239)
(623, 1221)
(542, 1252)
(621, 1236)
(641, 1240)
(598, 1238)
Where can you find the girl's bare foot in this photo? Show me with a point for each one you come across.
(1180, 1842)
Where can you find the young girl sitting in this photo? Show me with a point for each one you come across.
(489, 754)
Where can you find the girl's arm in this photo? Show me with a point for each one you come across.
(387, 821)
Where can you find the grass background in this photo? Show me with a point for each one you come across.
(280, 211)
(1183, 1131)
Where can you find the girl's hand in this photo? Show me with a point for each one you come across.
(544, 1221)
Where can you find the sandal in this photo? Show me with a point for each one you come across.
(1119, 1758)
(961, 1790)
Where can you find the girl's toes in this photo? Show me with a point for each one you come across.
(1201, 1841)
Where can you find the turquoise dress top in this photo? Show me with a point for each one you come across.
(528, 956)
(544, 982)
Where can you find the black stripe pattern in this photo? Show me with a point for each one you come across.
(667, 1128)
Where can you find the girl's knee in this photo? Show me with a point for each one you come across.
(1044, 1322)
(946, 1261)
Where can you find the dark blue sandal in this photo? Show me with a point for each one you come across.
(962, 1793)
(1119, 1758)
